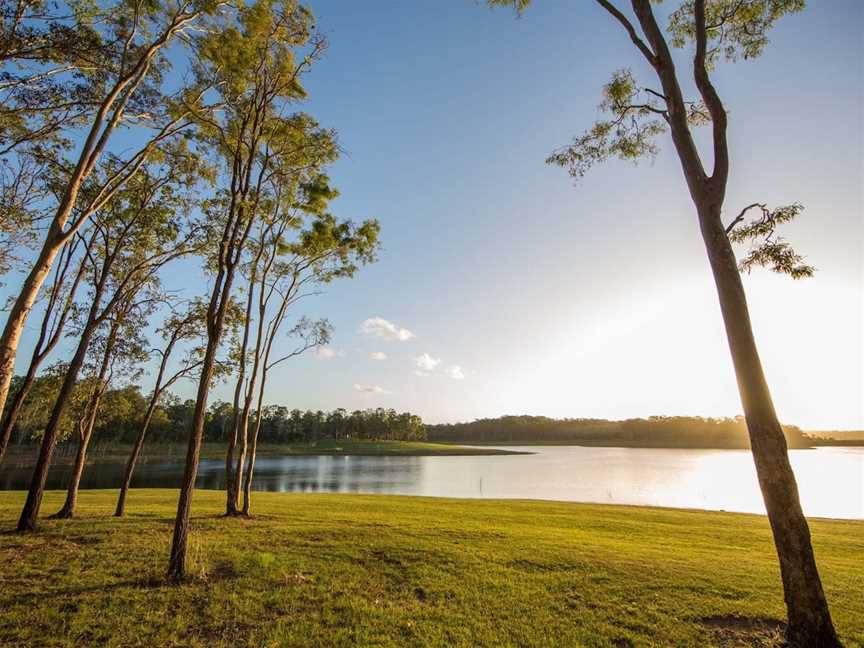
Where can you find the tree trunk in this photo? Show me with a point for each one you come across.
(30, 512)
(177, 560)
(46, 342)
(68, 509)
(809, 620)
(247, 483)
(92, 409)
(24, 304)
(241, 455)
(120, 511)
(15, 410)
(232, 479)
(232, 476)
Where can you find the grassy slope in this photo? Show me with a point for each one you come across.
(345, 570)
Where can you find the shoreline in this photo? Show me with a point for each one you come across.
(23, 457)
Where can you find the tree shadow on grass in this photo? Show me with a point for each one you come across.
(61, 593)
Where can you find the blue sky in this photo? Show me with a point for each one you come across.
(591, 299)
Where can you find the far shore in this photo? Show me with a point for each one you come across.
(24, 455)
(819, 443)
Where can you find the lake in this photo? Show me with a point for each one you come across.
(830, 480)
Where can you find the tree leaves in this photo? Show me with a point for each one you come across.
(637, 118)
(767, 249)
(735, 29)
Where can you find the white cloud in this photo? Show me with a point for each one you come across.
(417, 372)
(377, 355)
(426, 363)
(326, 353)
(455, 372)
(379, 327)
(370, 389)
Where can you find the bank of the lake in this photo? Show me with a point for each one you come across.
(829, 479)
(337, 570)
(113, 452)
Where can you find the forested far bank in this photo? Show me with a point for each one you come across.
(653, 432)
(123, 410)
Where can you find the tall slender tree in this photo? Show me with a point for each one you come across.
(290, 203)
(124, 87)
(138, 233)
(310, 335)
(253, 64)
(717, 29)
(59, 303)
(179, 327)
(120, 344)
(326, 250)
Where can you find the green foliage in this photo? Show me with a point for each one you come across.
(40, 399)
(735, 29)
(767, 249)
(628, 135)
(333, 249)
(518, 5)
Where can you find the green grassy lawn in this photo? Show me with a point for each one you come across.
(352, 570)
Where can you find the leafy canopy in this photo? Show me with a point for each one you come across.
(634, 115)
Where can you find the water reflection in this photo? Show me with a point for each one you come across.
(831, 480)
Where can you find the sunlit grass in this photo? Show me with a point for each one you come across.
(348, 570)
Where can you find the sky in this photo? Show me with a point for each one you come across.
(503, 287)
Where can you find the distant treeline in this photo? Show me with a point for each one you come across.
(122, 411)
(653, 432)
(838, 437)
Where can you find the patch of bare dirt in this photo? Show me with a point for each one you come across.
(730, 631)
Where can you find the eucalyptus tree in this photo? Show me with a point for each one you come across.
(293, 197)
(48, 52)
(255, 62)
(121, 82)
(181, 325)
(637, 115)
(120, 345)
(325, 250)
(239, 421)
(59, 304)
(311, 334)
(139, 232)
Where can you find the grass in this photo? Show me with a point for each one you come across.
(352, 570)
(114, 452)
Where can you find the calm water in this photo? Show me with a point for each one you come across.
(831, 480)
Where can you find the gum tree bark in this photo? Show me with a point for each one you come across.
(809, 619)
(232, 479)
(241, 429)
(85, 428)
(215, 323)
